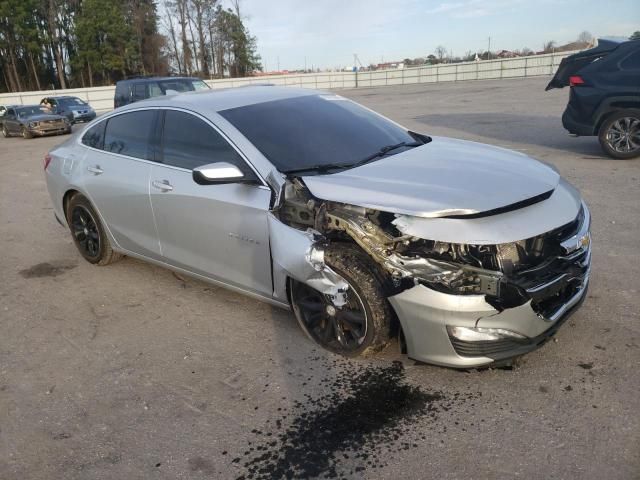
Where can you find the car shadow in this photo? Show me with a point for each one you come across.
(540, 130)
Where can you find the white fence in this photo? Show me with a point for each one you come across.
(101, 98)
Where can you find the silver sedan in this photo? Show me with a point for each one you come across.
(469, 254)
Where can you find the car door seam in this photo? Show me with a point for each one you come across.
(153, 212)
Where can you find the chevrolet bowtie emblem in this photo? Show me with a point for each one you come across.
(585, 241)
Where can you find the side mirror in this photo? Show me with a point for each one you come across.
(219, 173)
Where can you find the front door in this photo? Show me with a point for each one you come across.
(218, 231)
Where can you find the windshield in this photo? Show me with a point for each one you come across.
(27, 111)
(71, 101)
(315, 130)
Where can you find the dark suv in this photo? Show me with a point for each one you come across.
(605, 95)
(136, 89)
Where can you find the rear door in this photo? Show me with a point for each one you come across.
(218, 231)
(116, 175)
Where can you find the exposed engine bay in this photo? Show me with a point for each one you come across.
(544, 269)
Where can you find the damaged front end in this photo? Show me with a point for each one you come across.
(459, 304)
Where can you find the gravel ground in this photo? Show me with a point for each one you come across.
(130, 371)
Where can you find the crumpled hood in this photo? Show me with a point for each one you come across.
(444, 177)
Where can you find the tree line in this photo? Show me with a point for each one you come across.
(46, 44)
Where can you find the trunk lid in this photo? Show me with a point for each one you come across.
(574, 63)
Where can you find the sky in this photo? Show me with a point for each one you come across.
(328, 32)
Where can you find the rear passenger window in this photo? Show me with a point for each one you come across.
(95, 136)
(129, 134)
(632, 62)
(189, 142)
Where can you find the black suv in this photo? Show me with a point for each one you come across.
(605, 95)
(140, 88)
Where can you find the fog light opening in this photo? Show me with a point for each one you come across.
(480, 334)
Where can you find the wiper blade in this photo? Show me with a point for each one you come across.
(380, 153)
(324, 167)
(384, 150)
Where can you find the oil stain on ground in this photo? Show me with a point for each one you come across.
(341, 433)
(46, 270)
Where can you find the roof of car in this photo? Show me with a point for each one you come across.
(152, 79)
(204, 101)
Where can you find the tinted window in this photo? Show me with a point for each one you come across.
(71, 101)
(139, 91)
(189, 142)
(95, 136)
(301, 132)
(31, 110)
(632, 62)
(129, 133)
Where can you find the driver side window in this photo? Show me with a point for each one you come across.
(188, 142)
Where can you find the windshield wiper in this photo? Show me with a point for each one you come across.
(384, 150)
(380, 153)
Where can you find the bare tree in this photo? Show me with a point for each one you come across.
(441, 52)
(181, 9)
(585, 37)
(549, 46)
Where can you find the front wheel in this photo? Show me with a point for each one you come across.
(26, 133)
(5, 132)
(619, 135)
(360, 327)
(88, 233)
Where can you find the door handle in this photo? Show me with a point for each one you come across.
(95, 170)
(162, 185)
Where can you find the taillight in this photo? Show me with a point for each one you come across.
(575, 80)
(47, 160)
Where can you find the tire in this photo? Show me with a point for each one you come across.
(365, 291)
(5, 132)
(613, 130)
(88, 233)
(26, 133)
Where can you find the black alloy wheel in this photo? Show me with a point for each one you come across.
(620, 134)
(361, 326)
(341, 330)
(86, 233)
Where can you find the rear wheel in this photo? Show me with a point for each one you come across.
(88, 233)
(619, 135)
(360, 327)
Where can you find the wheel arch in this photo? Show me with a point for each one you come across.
(613, 105)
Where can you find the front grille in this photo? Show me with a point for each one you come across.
(559, 279)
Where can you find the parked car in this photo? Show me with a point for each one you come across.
(141, 88)
(74, 108)
(3, 112)
(33, 121)
(604, 99)
(473, 254)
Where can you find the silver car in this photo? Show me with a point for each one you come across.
(469, 254)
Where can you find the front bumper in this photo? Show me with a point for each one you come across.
(53, 130)
(83, 117)
(427, 316)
